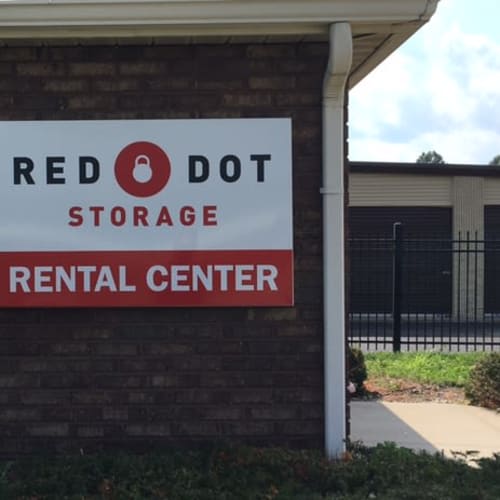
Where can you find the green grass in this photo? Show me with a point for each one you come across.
(226, 473)
(423, 367)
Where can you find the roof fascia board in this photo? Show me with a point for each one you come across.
(446, 169)
(48, 18)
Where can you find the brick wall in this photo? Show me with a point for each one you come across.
(140, 378)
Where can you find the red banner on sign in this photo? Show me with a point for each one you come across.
(146, 278)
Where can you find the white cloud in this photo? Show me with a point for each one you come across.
(383, 97)
(441, 91)
(457, 146)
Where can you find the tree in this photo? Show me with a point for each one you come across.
(495, 161)
(430, 157)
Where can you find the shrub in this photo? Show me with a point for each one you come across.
(356, 368)
(226, 473)
(483, 388)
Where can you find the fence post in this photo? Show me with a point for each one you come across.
(397, 271)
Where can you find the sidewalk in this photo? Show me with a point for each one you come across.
(434, 427)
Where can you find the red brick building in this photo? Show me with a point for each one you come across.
(139, 378)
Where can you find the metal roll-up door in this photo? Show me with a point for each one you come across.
(492, 258)
(427, 262)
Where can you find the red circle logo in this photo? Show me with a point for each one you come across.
(142, 169)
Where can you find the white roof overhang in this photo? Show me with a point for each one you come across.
(378, 26)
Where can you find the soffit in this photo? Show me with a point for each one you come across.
(378, 26)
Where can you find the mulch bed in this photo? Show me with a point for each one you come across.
(410, 392)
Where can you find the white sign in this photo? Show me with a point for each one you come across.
(146, 213)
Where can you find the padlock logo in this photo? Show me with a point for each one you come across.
(142, 169)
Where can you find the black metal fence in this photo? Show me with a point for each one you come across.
(412, 294)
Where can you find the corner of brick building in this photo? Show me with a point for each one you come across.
(138, 379)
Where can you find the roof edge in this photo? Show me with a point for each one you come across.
(54, 18)
(457, 169)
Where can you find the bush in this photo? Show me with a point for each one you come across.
(356, 368)
(227, 473)
(483, 388)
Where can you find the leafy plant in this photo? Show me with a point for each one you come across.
(483, 388)
(356, 373)
(245, 473)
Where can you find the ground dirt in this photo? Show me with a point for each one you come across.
(411, 392)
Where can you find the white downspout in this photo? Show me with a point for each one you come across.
(337, 72)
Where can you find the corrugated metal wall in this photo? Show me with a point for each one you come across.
(492, 191)
(399, 190)
(492, 258)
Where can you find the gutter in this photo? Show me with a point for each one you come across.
(42, 19)
(334, 156)
(429, 10)
(334, 88)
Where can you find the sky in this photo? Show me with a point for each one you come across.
(439, 91)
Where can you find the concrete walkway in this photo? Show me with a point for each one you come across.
(434, 427)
